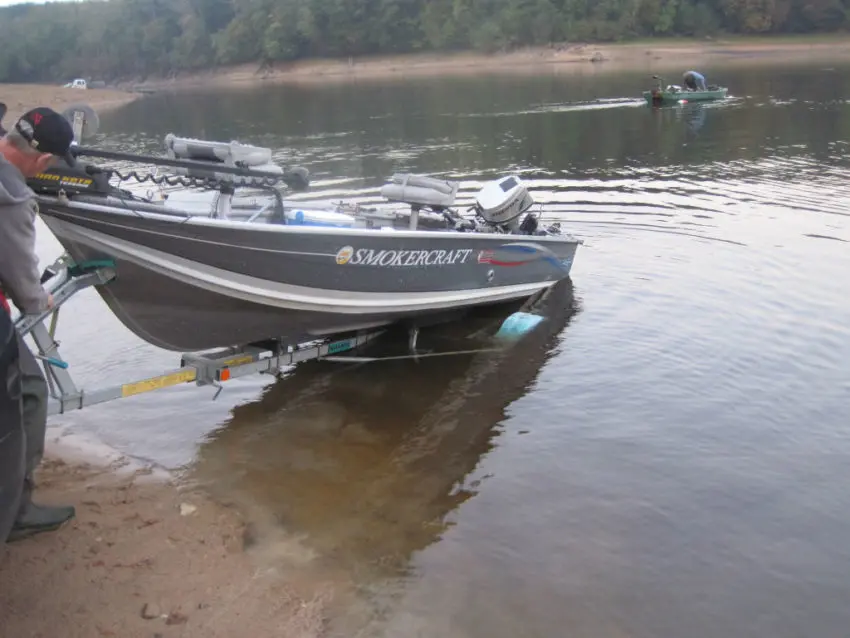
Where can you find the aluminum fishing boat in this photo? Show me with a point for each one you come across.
(189, 280)
(660, 95)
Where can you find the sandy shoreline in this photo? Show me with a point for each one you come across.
(646, 57)
(21, 97)
(146, 557)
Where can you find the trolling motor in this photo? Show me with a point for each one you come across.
(656, 91)
(197, 161)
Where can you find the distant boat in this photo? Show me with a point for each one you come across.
(674, 93)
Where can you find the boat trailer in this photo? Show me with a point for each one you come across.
(64, 278)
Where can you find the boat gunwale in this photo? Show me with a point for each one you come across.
(181, 218)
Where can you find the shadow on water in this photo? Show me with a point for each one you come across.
(365, 463)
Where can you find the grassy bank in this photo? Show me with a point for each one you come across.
(642, 55)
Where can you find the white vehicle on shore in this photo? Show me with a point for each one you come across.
(79, 83)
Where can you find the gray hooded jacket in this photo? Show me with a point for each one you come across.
(19, 276)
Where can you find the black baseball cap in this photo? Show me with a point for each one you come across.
(47, 132)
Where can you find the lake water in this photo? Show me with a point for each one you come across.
(667, 457)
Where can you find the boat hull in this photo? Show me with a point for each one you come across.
(197, 283)
(671, 97)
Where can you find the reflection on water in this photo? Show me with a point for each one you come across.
(368, 461)
(671, 463)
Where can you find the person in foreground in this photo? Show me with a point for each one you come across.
(695, 81)
(28, 148)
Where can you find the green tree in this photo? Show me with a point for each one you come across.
(114, 39)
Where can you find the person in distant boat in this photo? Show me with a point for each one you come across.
(694, 81)
(29, 147)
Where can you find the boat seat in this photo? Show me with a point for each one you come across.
(419, 190)
(255, 158)
(230, 153)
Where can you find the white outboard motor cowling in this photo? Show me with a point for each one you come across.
(502, 201)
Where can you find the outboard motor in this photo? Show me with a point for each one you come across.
(502, 202)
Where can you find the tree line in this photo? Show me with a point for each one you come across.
(114, 39)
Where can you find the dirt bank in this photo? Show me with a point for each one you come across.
(145, 557)
(21, 97)
(645, 57)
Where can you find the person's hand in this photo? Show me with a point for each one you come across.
(49, 301)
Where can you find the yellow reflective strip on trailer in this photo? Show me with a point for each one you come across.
(155, 383)
(238, 361)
